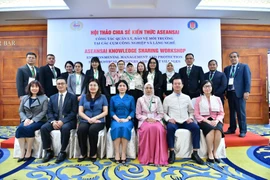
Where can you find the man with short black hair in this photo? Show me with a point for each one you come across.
(48, 75)
(179, 113)
(26, 74)
(238, 89)
(62, 115)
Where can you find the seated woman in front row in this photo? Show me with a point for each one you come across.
(122, 111)
(93, 108)
(152, 134)
(209, 113)
(33, 109)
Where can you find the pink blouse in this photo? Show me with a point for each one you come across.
(215, 115)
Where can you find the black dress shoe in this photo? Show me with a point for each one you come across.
(61, 157)
(217, 160)
(81, 159)
(117, 161)
(172, 157)
(20, 159)
(197, 159)
(93, 159)
(229, 132)
(242, 135)
(48, 156)
(210, 160)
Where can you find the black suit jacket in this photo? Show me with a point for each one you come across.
(65, 75)
(45, 78)
(158, 81)
(219, 82)
(101, 79)
(22, 78)
(192, 83)
(69, 112)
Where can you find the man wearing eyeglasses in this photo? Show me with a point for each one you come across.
(238, 89)
(62, 112)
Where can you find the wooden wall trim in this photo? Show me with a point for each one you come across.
(25, 27)
(244, 27)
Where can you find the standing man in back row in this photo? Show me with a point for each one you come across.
(192, 77)
(238, 89)
(48, 75)
(26, 74)
(217, 78)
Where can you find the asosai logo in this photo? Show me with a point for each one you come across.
(192, 25)
(76, 25)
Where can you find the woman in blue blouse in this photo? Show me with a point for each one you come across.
(122, 111)
(93, 108)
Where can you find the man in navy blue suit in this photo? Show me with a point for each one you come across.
(218, 79)
(62, 112)
(238, 89)
(192, 77)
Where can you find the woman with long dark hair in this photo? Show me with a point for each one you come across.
(154, 76)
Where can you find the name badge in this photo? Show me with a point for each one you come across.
(112, 90)
(54, 82)
(30, 79)
(132, 85)
(231, 81)
(169, 86)
(150, 115)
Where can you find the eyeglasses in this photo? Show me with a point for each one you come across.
(207, 86)
(60, 84)
(152, 62)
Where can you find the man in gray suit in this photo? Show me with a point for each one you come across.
(26, 74)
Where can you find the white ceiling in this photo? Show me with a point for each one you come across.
(133, 8)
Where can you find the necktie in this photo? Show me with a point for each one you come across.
(211, 76)
(60, 106)
(54, 72)
(33, 72)
(233, 71)
(188, 70)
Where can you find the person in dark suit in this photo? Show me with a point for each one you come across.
(62, 112)
(26, 74)
(154, 76)
(48, 75)
(96, 72)
(167, 79)
(238, 89)
(192, 77)
(69, 66)
(217, 78)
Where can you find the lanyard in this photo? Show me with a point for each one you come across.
(211, 75)
(130, 76)
(78, 81)
(111, 79)
(96, 74)
(150, 105)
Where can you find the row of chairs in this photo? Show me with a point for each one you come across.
(183, 145)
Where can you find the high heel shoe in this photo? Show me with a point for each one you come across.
(28, 158)
(217, 160)
(21, 159)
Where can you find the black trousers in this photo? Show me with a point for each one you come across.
(89, 130)
(65, 135)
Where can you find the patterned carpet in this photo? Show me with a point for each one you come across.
(241, 163)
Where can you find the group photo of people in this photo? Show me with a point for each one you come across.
(127, 97)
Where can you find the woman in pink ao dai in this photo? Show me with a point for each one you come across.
(152, 134)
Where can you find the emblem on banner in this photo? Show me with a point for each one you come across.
(192, 25)
(76, 25)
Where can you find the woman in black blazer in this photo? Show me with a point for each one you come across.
(167, 79)
(154, 76)
(96, 72)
